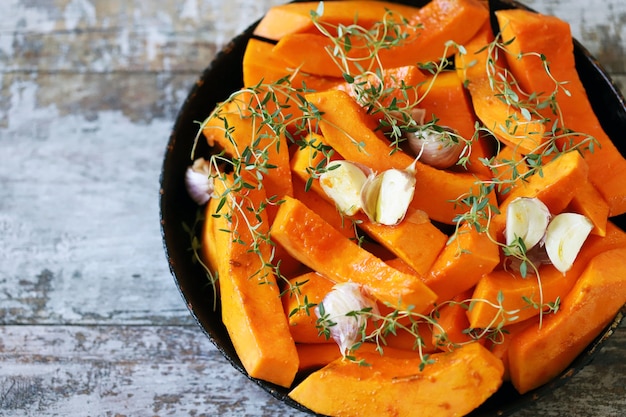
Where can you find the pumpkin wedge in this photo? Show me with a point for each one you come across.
(435, 24)
(462, 263)
(261, 66)
(505, 121)
(537, 355)
(315, 243)
(286, 19)
(235, 129)
(415, 239)
(452, 324)
(551, 37)
(589, 202)
(455, 384)
(309, 289)
(249, 292)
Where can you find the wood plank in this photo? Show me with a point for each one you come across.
(597, 24)
(115, 371)
(34, 100)
(166, 35)
(79, 189)
(175, 370)
(119, 35)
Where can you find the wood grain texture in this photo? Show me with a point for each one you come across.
(121, 371)
(91, 322)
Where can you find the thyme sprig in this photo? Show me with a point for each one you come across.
(356, 48)
(420, 325)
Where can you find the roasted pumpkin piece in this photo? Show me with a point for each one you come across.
(261, 66)
(234, 128)
(589, 202)
(415, 239)
(505, 297)
(499, 345)
(508, 166)
(314, 356)
(452, 328)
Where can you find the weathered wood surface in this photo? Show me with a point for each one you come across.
(91, 322)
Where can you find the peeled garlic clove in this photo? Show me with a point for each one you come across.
(386, 196)
(342, 182)
(395, 195)
(343, 299)
(526, 218)
(565, 235)
(439, 148)
(198, 181)
(369, 196)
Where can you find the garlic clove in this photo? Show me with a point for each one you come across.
(565, 235)
(369, 196)
(438, 147)
(396, 192)
(344, 299)
(526, 218)
(386, 197)
(342, 182)
(199, 181)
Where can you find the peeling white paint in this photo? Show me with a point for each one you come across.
(190, 10)
(79, 10)
(105, 224)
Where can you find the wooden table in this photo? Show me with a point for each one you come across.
(91, 323)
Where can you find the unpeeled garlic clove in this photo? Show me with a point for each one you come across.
(526, 218)
(386, 196)
(438, 147)
(343, 299)
(565, 235)
(342, 182)
(199, 182)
